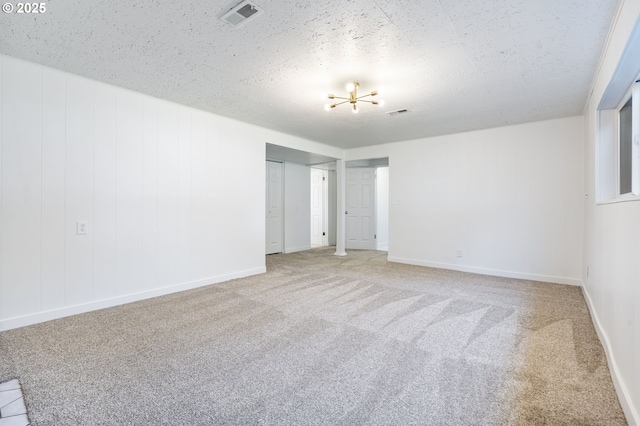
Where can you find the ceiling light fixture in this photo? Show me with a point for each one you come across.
(353, 98)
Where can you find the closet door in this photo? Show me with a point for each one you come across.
(273, 213)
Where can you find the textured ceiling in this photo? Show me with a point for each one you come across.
(457, 65)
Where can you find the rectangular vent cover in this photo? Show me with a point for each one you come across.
(398, 112)
(241, 13)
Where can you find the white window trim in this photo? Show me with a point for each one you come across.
(635, 139)
(634, 195)
(634, 94)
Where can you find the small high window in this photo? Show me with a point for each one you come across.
(625, 144)
(618, 145)
(617, 148)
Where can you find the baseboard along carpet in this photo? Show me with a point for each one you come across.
(324, 340)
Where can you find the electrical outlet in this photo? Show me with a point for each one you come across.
(459, 252)
(82, 227)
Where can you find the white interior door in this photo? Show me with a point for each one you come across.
(318, 217)
(273, 208)
(361, 208)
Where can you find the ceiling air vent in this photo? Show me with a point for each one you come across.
(241, 13)
(398, 112)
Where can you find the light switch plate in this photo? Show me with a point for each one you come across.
(82, 227)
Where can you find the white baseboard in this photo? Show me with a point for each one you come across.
(630, 411)
(486, 271)
(295, 249)
(38, 317)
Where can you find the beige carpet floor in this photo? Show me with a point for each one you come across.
(321, 339)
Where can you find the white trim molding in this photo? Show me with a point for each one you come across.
(618, 382)
(486, 271)
(38, 317)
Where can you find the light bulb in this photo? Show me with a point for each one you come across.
(355, 108)
(327, 107)
(350, 87)
(380, 102)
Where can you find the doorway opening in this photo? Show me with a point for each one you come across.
(288, 198)
(323, 199)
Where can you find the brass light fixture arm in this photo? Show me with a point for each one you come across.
(339, 103)
(353, 97)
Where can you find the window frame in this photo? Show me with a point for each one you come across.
(609, 133)
(628, 96)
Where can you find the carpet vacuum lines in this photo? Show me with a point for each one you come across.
(324, 340)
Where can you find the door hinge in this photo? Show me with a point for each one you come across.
(323, 178)
(323, 234)
(375, 236)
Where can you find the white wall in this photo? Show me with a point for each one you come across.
(174, 196)
(612, 244)
(382, 208)
(297, 207)
(510, 198)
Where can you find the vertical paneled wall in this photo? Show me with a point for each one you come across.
(174, 197)
(611, 272)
